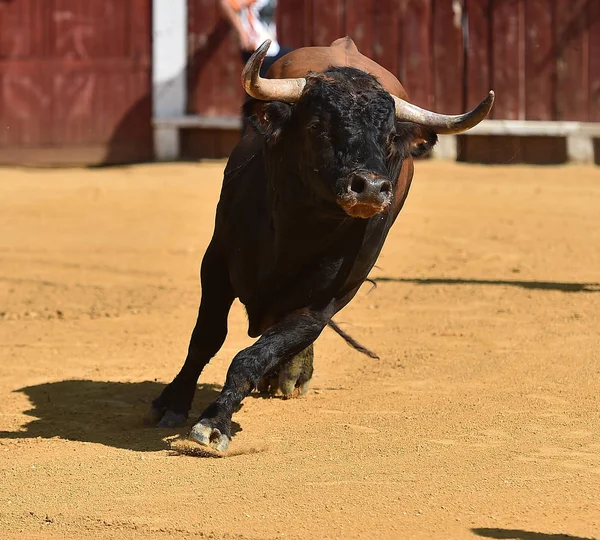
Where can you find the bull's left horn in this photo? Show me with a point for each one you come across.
(443, 123)
(287, 90)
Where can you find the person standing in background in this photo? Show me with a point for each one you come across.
(253, 22)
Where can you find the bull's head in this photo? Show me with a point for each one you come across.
(350, 134)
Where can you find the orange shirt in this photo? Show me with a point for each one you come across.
(257, 28)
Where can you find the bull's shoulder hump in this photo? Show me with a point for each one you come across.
(342, 53)
(345, 43)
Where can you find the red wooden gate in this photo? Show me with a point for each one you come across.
(75, 81)
(542, 57)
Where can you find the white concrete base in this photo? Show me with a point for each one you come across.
(166, 143)
(580, 135)
(446, 148)
(199, 122)
(580, 149)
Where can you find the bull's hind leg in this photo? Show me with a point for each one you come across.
(171, 408)
(291, 377)
(280, 344)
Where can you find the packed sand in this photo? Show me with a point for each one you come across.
(480, 420)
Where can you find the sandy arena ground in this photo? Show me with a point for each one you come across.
(481, 420)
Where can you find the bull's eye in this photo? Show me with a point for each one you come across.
(313, 126)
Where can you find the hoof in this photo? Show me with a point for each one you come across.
(164, 418)
(269, 384)
(291, 378)
(297, 392)
(153, 416)
(206, 435)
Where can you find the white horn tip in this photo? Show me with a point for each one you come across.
(264, 46)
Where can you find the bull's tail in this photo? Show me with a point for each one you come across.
(351, 341)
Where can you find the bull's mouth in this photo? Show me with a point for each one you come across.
(364, 210)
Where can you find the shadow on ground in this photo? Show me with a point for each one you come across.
(109, 413)
(536, 285)
(519, 534)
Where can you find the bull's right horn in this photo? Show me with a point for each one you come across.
(444, 123)
(286, 90)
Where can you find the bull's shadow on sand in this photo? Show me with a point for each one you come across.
(568, 287)
(109, 413)
(519, 534)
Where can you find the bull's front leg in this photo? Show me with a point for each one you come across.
(276, 346)
(171, 408)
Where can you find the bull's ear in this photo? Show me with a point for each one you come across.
(268, 117)
(417, 140)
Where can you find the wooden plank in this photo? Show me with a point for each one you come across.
(25, 100)
(25, 28)
(68, 61)
(308, 25)
(205, 38)
(386, 38)
(101, 36)
(415, 67)
(505, 150)
(478, 59)
(26, 104)
(327, 21)
(506, 60)
(207, 143)
(572, 48)
(230, 92)
(123, 98)
(448, 58)
(291, 27)
(359, 24)
(491, 149)
(227, 93)
(96, 65)
(140, 24)
(545, 150)
(90, 29)
(540, 72)
(132, 139)
(594, 62)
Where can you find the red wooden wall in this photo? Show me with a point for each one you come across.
(75, 81)
(542, 57)
(75, 75)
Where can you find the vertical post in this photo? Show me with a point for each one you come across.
(580, 148)
(169, 62)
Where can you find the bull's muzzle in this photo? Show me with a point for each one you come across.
(365, 194)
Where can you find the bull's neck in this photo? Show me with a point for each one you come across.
(302, 223)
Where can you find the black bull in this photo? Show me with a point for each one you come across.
(308, 198)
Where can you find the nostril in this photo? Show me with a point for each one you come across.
(357, 185)
(386, 187)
